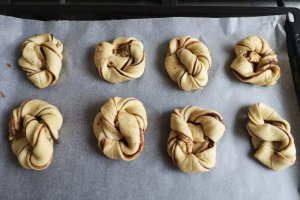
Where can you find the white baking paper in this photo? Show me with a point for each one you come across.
(81, 171)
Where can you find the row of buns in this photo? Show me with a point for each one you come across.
(187, 61)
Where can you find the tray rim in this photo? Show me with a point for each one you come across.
(98, 12)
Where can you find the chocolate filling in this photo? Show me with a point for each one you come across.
(51, 49)
(124, 141)
(43, 58)
(124, 49)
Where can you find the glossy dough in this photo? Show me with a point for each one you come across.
(33, 129)
(271, 137)
(42, 59)
(193, 137)
(119, 128)
(121, 60)
(256, 62)
(187, 63)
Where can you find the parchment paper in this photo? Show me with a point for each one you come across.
(80, 170)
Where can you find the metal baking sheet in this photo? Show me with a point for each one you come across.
(80, 170)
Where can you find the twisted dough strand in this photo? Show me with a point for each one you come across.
(33, 129)
(193, 137)
(42, 59)
(187, 63)
(119, 128)
(121, 60)
(271, 137)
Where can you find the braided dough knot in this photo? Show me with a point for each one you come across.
(121, 60)
(187, 63)
(193, 137)
(271, 137)
(33, 129)
(119, 128)
(42, 59)
(256, 62)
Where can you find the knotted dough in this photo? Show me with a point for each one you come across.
(187, 63)
(119, 128)
(256, 62)
(33, 129)
(271, 137)
(193, 137)
(42, 59)
(121, 60)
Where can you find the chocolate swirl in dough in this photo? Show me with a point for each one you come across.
(119, 128)
(271, 137)
(256, 62)
(187, 63)
(193, 137)
(33, 129)
(121, 60)
(42, 59)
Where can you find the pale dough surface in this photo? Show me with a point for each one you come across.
(271, 137)
(33, 129)
(119, 128)
(255, 62)
(121, 60)
(42, 59)
(187, 63)
(193, 138)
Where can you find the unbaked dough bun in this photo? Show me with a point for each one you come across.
(33, 129)
(119, 128)
(187, 63)
(271, 137)
(42, 59)
(121, 60)
(255, 62)
(193, 137)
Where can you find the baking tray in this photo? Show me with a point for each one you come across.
(99, 12)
